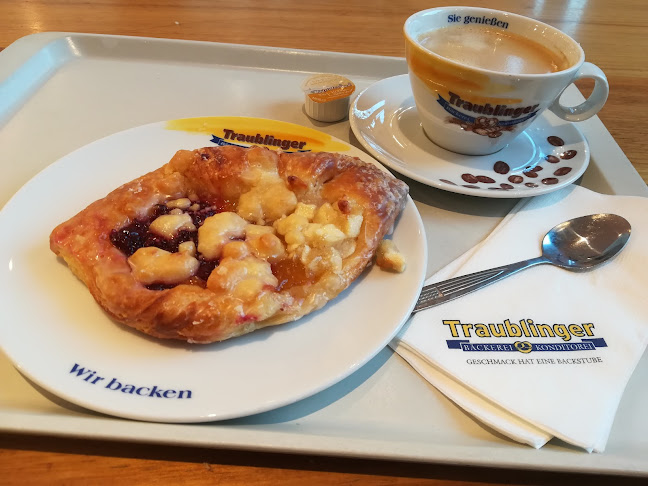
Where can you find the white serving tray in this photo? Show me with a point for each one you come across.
(61, 91)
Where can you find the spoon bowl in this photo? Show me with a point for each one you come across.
(585, 242)
(578, 244)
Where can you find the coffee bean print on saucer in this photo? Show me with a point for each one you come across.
(501, 167)
(562, 171)
(506, 175)
(446, 181)
(553, 159)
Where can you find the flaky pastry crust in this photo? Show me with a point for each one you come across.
(232, 179)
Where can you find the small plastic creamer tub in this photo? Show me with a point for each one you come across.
(327, 96)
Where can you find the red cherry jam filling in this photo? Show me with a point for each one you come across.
(206, 267)
(137, 234)
(131, 237)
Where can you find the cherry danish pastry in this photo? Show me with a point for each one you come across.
(221, 241)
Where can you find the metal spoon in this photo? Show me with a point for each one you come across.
(577, 244)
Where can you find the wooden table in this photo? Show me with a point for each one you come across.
(613, 37)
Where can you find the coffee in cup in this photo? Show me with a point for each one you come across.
(481, 76)
(493, 49)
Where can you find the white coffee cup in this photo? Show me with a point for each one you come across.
(481, 76)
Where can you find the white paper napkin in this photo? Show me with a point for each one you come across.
(570, 384)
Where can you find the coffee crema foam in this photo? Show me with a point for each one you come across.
(495, 50)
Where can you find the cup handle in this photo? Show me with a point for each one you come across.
(591, 105)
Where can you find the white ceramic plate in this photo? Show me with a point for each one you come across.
(548, 155)
(57, 336)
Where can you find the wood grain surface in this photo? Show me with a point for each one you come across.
(613, 35)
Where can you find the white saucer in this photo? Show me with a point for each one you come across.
(385, 120)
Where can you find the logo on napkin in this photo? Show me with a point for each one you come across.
(475, 333)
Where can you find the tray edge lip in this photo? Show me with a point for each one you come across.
(42, 39)
(354, 448)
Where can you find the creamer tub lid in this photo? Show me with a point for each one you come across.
(327, 87)
(327, 96)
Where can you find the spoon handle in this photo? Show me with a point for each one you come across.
(438, 293)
